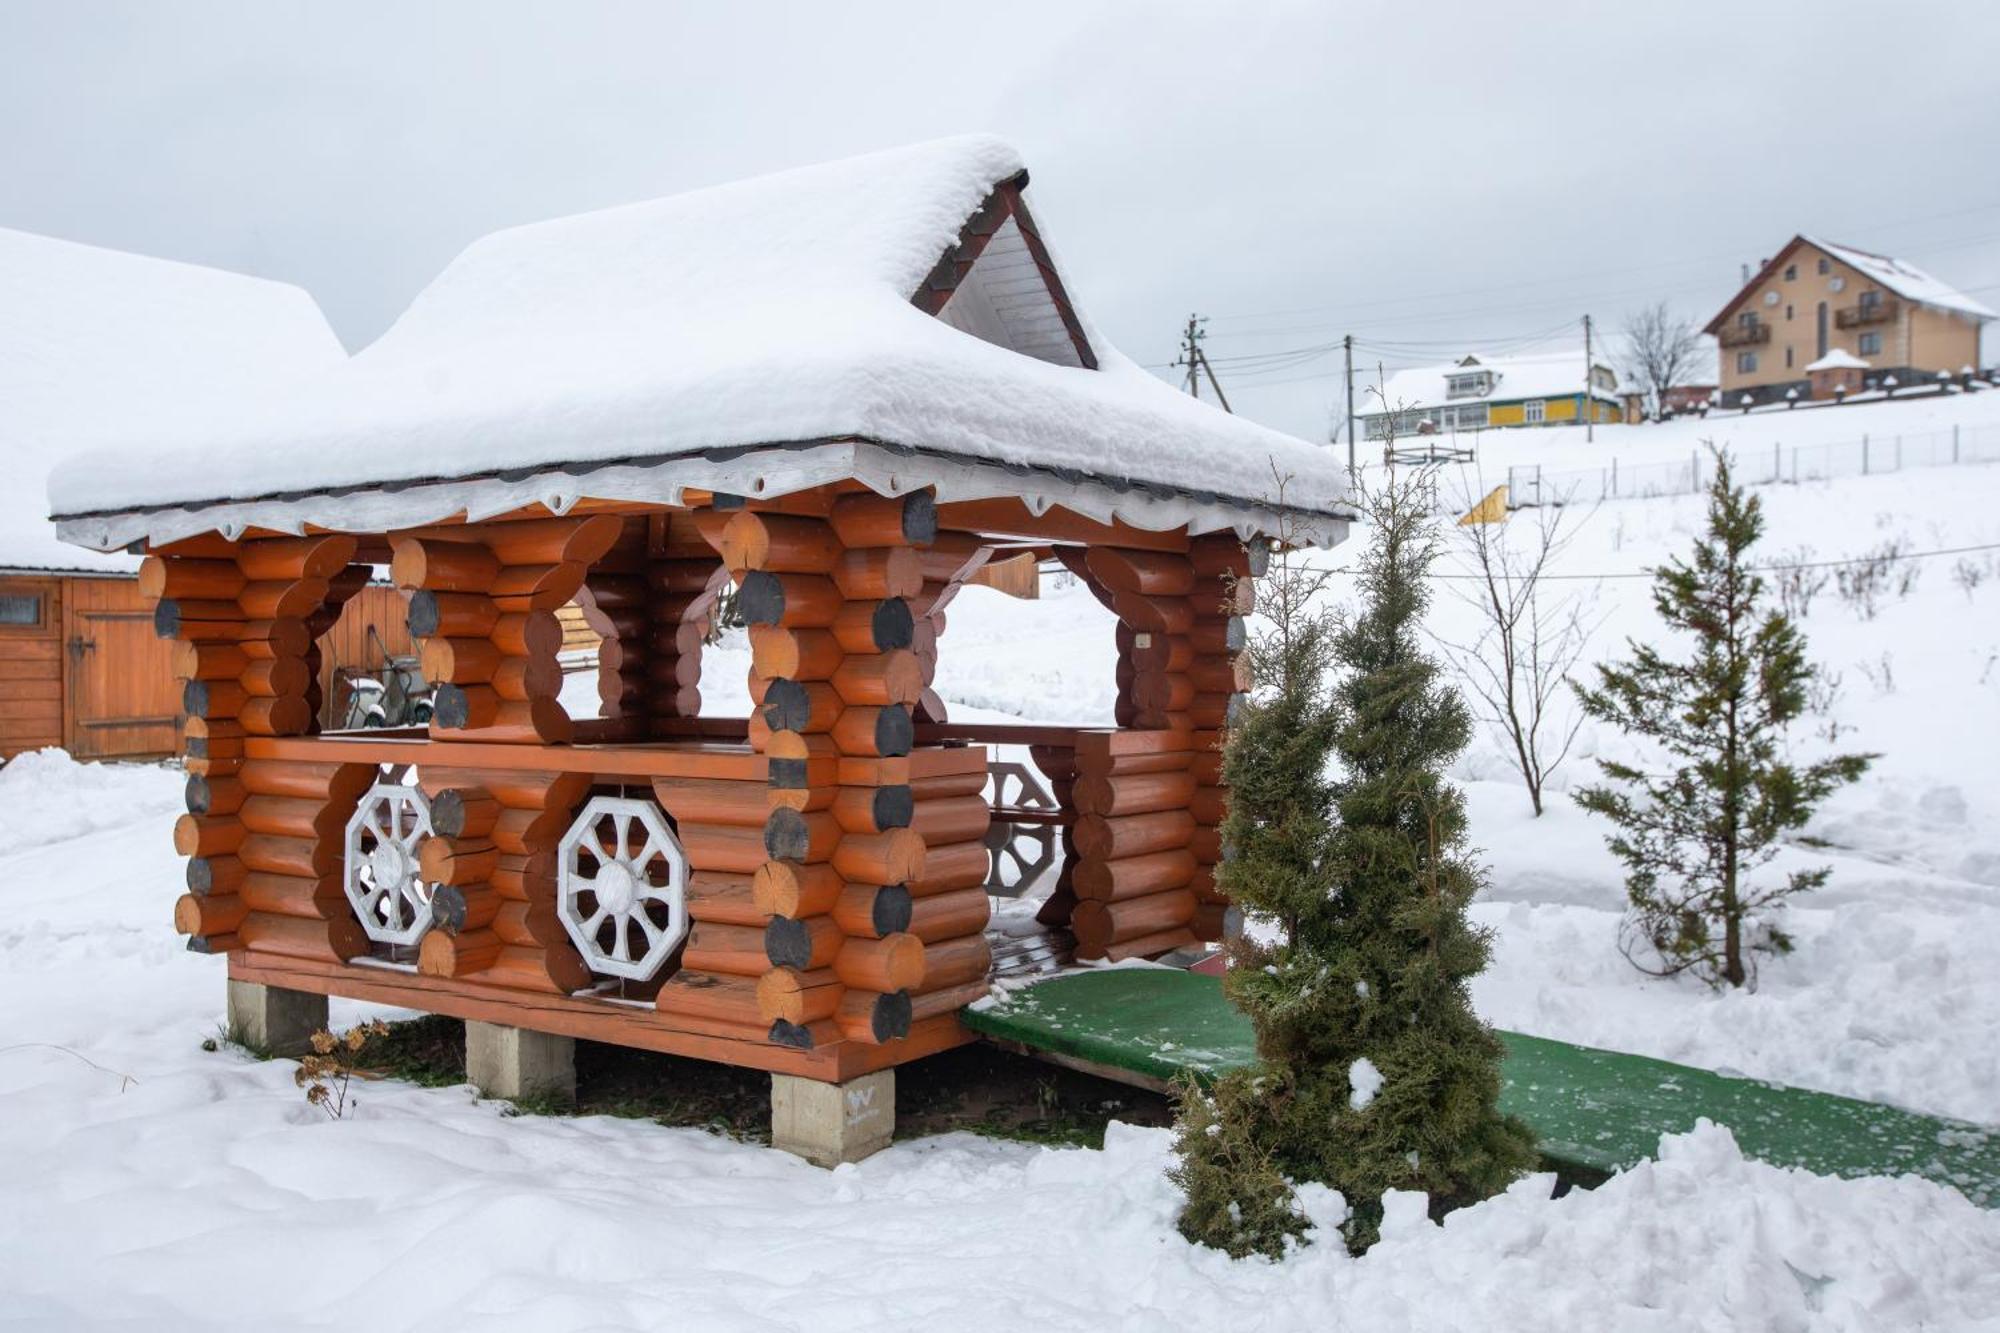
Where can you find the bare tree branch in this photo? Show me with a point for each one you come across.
(1661, 350)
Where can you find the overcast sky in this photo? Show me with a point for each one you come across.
(1430, 177)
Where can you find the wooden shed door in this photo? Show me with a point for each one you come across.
(31, 676)
(123, 700)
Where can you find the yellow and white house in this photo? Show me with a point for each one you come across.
(1490, 392)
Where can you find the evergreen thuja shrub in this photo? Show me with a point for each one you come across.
(1694, 831)
(1373, 1072)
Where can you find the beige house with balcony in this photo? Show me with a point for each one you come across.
(1815, 298)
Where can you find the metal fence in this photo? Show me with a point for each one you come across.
(1532, 484)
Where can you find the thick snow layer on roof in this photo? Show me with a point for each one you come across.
(773, 311)
(96, 343)
(1838, 359)
(1905, 280)
(1542, 375)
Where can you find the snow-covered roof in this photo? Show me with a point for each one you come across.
(1838, 359)
(94, 343)
(1905, 280)
(1512, 378)
(895, 317)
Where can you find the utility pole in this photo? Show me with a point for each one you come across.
(1589, 387)
(1196, 362)
(1347, 343)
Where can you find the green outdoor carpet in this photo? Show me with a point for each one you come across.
(1594, 1110)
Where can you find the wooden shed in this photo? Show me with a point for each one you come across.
(842, 391)
(89, 339)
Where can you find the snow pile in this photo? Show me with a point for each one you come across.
(767, 312)
(97, 342)
(46, 796)
(1364, 1080)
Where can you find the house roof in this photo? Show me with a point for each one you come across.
(896, 317)
(1905, 280)
(95, 342)
(1542, 375)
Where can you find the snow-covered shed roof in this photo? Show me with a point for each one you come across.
(95, 342)
(1839, 358)
(895, 317)
(1541, 375)
(1903, 279)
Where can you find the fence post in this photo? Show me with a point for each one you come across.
(1694, 472)
(1864, 455)
(1954, 441)
(1614, 475)
(1899, 453)
(1777, 462)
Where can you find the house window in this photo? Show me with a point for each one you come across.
(1770, 298)
(1747, 320)
(1791, 272)
(1871, 344)
(1871, 300)
(1788, 312)
(1746, 363)
(1822, 330)
(1788, 358)
(1837, 285)
(1470, 416)
(1534, 411)
(20, 608)
(1825, 265)
(1466, 386)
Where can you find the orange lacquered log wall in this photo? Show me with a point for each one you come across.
(837, 887)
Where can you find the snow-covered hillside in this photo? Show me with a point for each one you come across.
(1894, 992)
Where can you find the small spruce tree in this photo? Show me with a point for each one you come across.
(1373, 1072)
(1693, 836)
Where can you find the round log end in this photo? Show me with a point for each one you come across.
(894, 732)
(891, 910)
(451, 706)
(761, 598)
(448, 813)
(423, 618)
(788, 943)
(786, 835)
(889, 1017)
(787, 1033)
(787, 706)
(198, 794)
(920, 519)
(194, 697)
(167, 618)
(893, 807)
(892, 624)
(448, 908)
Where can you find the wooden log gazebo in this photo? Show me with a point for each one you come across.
(839, 391)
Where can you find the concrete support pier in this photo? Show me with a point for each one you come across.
(274, 1020)
(831, 1123)
(514, 1063)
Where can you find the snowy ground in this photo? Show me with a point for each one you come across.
(1894, 991)
(206, 1193)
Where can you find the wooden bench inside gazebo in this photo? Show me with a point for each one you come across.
(839, 392)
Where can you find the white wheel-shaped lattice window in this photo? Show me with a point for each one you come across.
(621, 887)
(381, 877)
